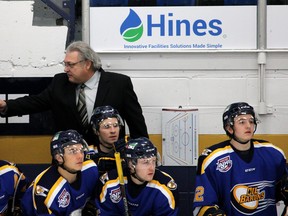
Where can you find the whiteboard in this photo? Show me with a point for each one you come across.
(179, 137)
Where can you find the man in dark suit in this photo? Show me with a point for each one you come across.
(82, 66)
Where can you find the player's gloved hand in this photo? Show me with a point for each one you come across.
(214, 211)
(17, 211)
(90, 209)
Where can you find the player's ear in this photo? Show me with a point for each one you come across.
(229, 129)
(131, 166)
(95, 130)
(59, 158)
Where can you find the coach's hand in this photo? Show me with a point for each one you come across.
(3, 105)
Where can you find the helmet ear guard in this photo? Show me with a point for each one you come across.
(104, 112)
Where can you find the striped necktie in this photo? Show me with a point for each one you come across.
(81, 107)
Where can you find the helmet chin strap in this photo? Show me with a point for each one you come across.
(242, 142)
(239, 141)
(68, 170)
(134, 174)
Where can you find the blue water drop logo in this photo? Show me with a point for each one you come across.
(132, 27)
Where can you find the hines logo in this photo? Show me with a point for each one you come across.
(166, 25)
(132, 27)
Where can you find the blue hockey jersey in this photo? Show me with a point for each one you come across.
(51, 194)
(156, 197)
(239, 187)
(11, 179)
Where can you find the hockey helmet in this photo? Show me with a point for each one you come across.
(103, 112)
(140, 148)
(235, 109)
(63, 139)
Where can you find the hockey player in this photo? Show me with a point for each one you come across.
(66, 186)
(147, 190)
(106, 123)
(13, 184)
(239, 176)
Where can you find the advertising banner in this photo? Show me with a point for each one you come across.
(173, 28)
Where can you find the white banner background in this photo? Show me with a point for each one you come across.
(238, 28)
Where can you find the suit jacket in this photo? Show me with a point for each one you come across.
(114, 89)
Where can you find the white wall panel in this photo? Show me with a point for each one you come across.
(28, 50)
(161, 92)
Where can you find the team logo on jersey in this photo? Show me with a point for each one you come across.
(115, 195)
(64, 199)
(250, 198)
(224, 164)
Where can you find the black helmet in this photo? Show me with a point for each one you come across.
(103, 112)
(236, 109)
(64, 138)
(140, 148)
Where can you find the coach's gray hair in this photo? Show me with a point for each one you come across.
(86, 53)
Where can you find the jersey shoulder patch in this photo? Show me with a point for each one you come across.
(164, 178)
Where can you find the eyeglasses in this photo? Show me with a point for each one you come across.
(69, 64)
